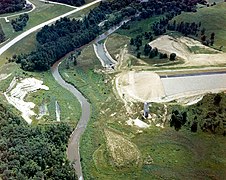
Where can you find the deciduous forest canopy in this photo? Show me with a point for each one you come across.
(33, 152)
(71, 2)
(9, 6)
(66, 35)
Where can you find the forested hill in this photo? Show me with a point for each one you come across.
(33, 152)
(66, 35)
(71, 2)
(9, 6)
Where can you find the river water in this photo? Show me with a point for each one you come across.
(73, 145)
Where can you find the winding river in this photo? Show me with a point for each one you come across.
(73, 145)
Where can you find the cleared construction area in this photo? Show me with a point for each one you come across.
(197, 84)
(145, 86)
(191, 51)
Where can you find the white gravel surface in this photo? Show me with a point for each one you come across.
(17, 92)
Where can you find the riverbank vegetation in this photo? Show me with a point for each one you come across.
(46, 99)
(165, 153)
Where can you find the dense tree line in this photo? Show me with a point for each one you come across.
(20, 22)
(9, 6)
(148, 50)
(185, 28)
(208, 115)
(33, 152)
(66, 35)
(71, 2)
(168, 7)
(2, 34)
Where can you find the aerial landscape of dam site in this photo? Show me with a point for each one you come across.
(112, 89)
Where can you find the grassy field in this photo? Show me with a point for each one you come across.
(165, 153)
(65, 99)
(213, 19)
(70, 107)
(25, 45)
(139, 27)
(42, 13)
(116, 43)
(83, 12)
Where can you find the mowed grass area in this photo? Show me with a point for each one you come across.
(24, 46)
(165, 153)
(213, 19)
(29, 43)
(83, 12)
(70, 107)
(42, 13)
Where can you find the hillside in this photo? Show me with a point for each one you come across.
(213, 19)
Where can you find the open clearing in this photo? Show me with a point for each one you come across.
(17, 91)
(213, 19)
(166, 153)
(181, 46)
(146, 86)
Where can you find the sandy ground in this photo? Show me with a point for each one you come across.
(146, 86)
(18, 90)
(140, 86)
(57, 111)
(138, 123)
(180, 46)
(4, 76)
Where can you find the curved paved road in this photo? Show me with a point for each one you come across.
(26, 33)
(73, 146)
(28, 2)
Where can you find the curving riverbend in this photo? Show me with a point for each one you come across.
(73, 145)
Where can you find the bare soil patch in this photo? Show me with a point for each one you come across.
(140, 86)
(17, 92)
(183, 47)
